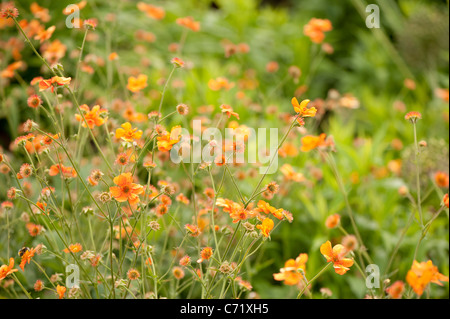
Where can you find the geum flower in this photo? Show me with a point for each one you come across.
(315, 29)
(189, 23)
(6, 270)
(302, 109)
(93, 116)
(135, 84)
(270, 210)
(26, 255)
(228, 110)
(266, 227)
(73, 248)
(421, 274)
(66, 172)
(127, 133)
(166, 141)
(53, 82)
(310, 142)
(153, 12)
(336, 255)
(293, 271)
(126, 190)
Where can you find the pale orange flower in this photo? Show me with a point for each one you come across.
(66, 172)
(9, 71)
(442, 94)
(421, 274)
(188, 22)
(135, 84)
(336, 255)
(290, 174)
(39, 12)
(228, 110)
(45, 34)
(126, 190)
(220, 83)
(153, 12)
(315, 29)
(127, 133)
(93, 116)
(293, 270)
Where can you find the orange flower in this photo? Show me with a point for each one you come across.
(220, 83)
(441, 179)
(34, 229)
(6, 270)
(39, 12)
(336, 256)
(73, 248)
(290, 174)
(133, 274)
(126, 190)
(167, 140)
(442, 94)
(93, 116)
(266, 227)
(67, 172)
(188, 22)
(239, 214)
(135, 84)
(9, 71)
(310, 142)
(45, 34)
(413, 116)
(332, 221)
(127, 133)
(395, 290)
(54, 81)
(205, 254)
(267, 209)
(421, 274)
(192, 230)
(60, 291)
(315, 29)
(113, 56)
(26, 255)
(293, 270)
(445, 200)
(153, 12)
(301, 108)
(228, 110)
